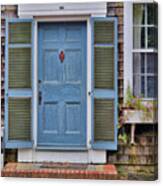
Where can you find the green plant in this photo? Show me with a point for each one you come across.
(133, 102)
(123, 137)
(129, 97)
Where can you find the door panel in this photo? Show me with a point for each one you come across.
(50, 118)
(73, 118)
(62, 85)
(73, 67)
(51, 70)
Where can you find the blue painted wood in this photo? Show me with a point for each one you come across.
(62, 110)
(20, 93)
(15, 144)
(20, 45)
(104, 45)
(103, 93)
(60, 148)
(107, 94)
(33, 105)
(116, 83)
(6, 86)
(15, 92)
(19, 20)
(105, 145)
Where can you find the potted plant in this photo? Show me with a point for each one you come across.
(136, 110)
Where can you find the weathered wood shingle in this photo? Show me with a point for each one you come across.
(116, 9)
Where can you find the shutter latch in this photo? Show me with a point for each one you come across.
(90, 93)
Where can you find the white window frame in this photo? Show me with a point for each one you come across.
(128, 45)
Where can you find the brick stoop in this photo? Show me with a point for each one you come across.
(60, 170)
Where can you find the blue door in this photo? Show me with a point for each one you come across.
(62, 85)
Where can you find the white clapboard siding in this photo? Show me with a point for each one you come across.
(30, 10)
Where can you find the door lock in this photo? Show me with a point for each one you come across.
(40, 97)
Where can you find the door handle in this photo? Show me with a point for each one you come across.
(39, 97)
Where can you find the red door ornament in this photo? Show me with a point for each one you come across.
(62, 56)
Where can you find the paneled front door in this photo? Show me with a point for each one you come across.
(62, 85)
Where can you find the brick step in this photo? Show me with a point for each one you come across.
(58, 170)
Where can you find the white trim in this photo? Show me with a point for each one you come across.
(57, 9)
(35, 89)
(145, 50)
(128, 46)
(91, 156)
(62, 18)
(139, 1)
(89, 46)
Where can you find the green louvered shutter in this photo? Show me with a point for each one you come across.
(18, 83)
(104, 86)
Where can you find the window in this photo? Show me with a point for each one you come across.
(145, 50)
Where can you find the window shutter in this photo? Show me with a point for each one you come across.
(18, 83)
(104, 83)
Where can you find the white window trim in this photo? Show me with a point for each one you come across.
(128, 46)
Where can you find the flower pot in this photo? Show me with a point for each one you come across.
(139, 116)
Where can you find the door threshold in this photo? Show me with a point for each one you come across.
(41, 147)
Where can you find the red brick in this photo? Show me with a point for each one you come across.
(105, 172)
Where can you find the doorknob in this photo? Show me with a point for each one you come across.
(62, 56)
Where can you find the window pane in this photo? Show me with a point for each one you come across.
(151, 87)
(138, 66)
(139, 37)
(143, 86)
(152, 63)
(152, 37)
(137, 85)
(152, 13)
(139, 14)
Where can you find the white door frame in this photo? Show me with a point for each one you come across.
(35, 70)
(37, 154)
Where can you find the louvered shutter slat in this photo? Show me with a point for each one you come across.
(104, 68)
(104, 32)
(19, 68)
(105, 83)
(19, 119)
(18, 116)
(19, 33)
